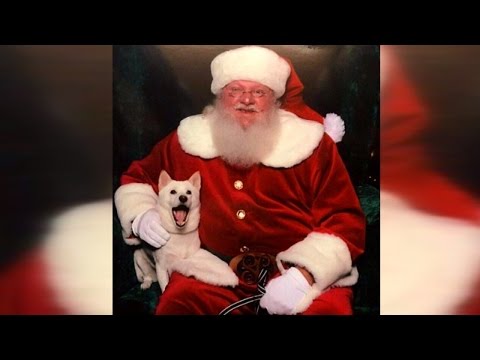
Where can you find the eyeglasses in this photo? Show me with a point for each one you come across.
(237, 92)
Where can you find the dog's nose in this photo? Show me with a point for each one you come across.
(183, 198)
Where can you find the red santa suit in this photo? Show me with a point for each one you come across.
(430, 249)
(69, 273)
(298, 204)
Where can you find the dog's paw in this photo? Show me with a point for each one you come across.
(232, 279)
(184, 267)
(147, 282)
(225, 277)
(208, 268)
(219, 274)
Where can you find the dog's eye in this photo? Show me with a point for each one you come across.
(189, 192)
(173, 192)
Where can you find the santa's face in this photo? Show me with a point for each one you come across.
(247, 101)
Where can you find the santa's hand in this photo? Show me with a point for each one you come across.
(147, 227)
(285, 292)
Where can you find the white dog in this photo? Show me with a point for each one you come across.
(179, 208)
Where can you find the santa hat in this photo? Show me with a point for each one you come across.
(293, 102)
(253, 63)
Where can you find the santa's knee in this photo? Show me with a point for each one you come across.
(181, 296)
(336, 301)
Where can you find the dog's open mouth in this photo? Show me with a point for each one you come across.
(180, 215)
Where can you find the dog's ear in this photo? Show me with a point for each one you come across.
(196, 180)
(164, 179)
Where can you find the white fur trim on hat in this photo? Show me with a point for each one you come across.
(334, 126)
(252, 63)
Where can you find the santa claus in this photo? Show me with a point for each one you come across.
(430, 249)
(272, 183)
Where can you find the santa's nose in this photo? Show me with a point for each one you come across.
(246, 98)
(183, 198)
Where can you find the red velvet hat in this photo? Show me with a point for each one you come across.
(293, 102)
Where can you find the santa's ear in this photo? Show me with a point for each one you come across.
(196, 180)
(164, 179)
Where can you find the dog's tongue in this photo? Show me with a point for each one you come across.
(180, 216)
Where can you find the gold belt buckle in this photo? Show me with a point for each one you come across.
(248, 265)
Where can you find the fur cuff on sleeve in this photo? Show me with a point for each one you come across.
(130, 201)
(327, 258)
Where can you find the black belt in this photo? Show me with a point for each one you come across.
(251, 267)
(248, 265)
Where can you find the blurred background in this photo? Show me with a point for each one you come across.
(447, 79)
(55, 157)
(430, 210)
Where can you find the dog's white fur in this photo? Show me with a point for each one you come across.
(182, 253)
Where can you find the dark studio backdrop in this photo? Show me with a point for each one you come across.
(155, 87)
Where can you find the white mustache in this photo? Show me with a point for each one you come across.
(246, 107)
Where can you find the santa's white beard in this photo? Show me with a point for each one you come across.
(240, 146)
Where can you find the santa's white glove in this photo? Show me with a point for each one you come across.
(147, 227)
(285, 292)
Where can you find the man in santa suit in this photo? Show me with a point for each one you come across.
(430, 233)
(272, 182)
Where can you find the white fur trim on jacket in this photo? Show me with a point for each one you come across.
(78, 254)
(327, 258)
(298, 139)
(130, 201)
(253, 63)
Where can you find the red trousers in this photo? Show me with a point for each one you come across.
(187, 296)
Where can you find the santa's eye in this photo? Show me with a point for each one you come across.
(189, 192)
(173, 192)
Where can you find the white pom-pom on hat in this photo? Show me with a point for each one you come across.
(252, 63)
(334, 126)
